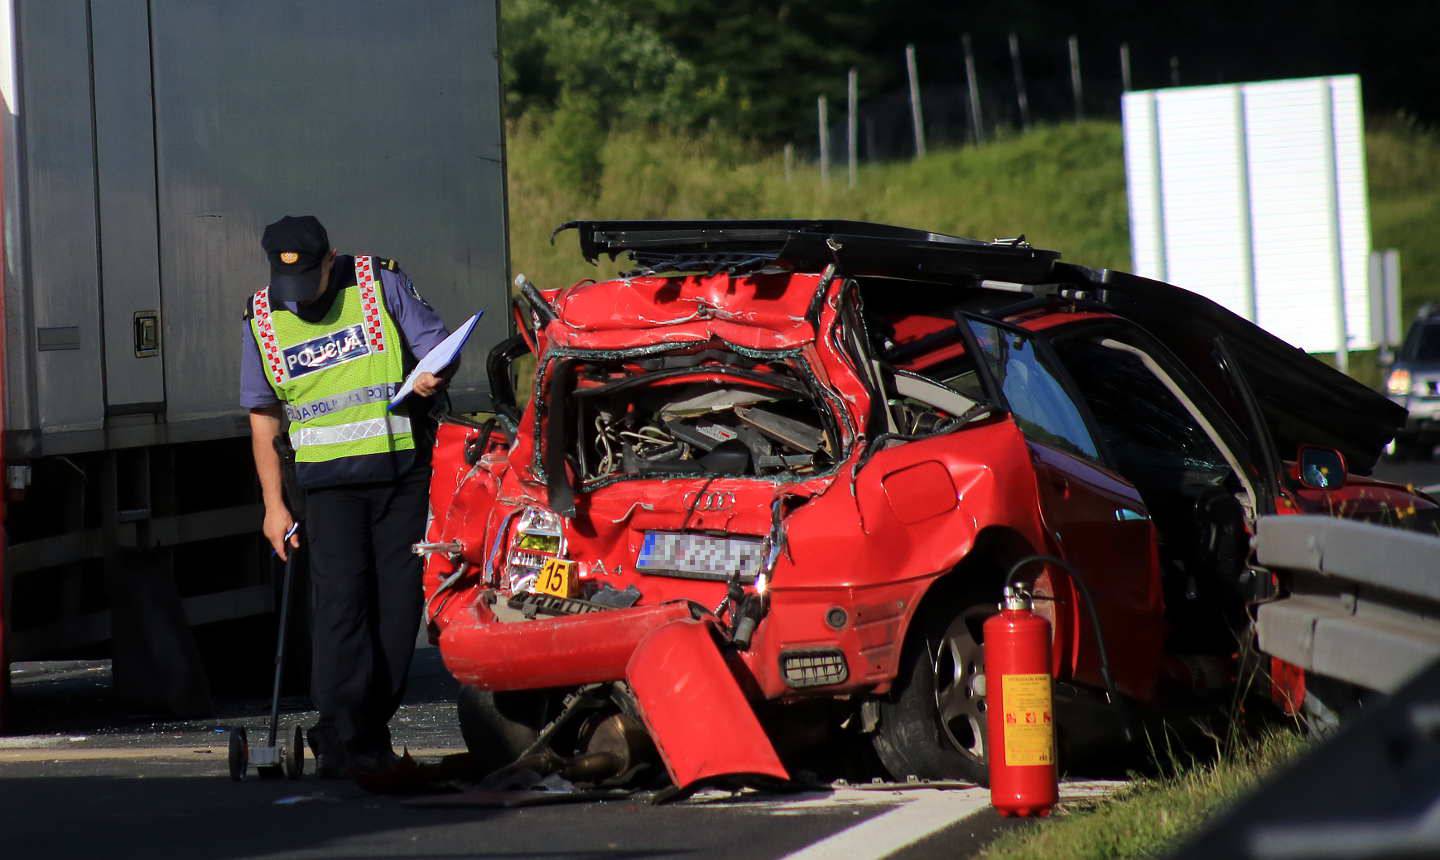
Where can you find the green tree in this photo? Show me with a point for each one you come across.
(592, 55)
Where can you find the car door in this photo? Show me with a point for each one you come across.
(1096, 518)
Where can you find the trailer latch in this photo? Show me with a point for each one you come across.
(147, 333)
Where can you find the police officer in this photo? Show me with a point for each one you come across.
(326, 345)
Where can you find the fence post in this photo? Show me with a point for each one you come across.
(1174, 71)
(789, 160)
(974, 86)
(916, 116)
(1020, 94)
(824, 140)
(1075, 85)
(1125, 66)
(853, 123)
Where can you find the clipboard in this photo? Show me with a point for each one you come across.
(437, 359)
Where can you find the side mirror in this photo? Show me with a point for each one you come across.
(1321, 468)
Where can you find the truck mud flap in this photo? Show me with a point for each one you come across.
(560, 652)
(695, 711)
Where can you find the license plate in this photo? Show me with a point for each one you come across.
(557, 578)
(699, 556)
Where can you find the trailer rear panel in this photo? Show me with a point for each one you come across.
(155, 142)
(146, 143)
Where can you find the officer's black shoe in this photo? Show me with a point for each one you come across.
(378, 761)
(328, 752)
(331, 765)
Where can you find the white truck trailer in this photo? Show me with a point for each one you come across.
(145, 144)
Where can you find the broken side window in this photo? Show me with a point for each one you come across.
(1038, 401)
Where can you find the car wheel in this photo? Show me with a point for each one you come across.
(498, 727)
(933, 724)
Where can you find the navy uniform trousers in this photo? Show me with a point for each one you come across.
(366, 601)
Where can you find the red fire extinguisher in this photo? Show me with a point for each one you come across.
(1023, 780)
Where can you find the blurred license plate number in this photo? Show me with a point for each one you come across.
(557, 577)
(701, 555)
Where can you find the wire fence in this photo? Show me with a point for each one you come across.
(1006, 87)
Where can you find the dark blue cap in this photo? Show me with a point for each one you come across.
(296, 246)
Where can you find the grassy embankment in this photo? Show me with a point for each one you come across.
(1151, 816)
(1062, 186)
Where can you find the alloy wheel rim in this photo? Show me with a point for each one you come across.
(958, 664)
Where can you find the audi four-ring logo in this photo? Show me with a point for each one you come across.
(712, 501)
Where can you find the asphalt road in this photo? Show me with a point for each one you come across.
(1421, 474)
(83, 778)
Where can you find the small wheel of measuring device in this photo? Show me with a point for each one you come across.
(239, 753)
(294, 760)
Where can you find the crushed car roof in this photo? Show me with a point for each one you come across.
(860, 248)
(1303, 400)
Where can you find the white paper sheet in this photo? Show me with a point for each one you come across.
(437, 359)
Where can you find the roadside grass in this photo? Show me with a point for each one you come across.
(1063, 186)
(1403, 166)
(1152, 815)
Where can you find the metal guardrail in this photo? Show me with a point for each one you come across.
(1363, 603)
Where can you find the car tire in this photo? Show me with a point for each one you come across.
(498, 727)
(932, 726)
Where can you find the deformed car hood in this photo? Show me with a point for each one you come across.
(1303, 400)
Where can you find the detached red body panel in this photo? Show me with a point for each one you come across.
(695, 710)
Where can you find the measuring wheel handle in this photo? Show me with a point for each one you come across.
(294, 758)
(239, 753)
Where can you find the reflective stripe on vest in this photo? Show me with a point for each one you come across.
(354, 397)
(303, 437)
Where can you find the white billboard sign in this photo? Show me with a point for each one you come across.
(1254, 196)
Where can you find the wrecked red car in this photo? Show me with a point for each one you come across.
(768, 483)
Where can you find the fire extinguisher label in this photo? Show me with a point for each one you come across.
(1029, 725)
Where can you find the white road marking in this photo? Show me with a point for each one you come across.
(24, 742)
(17, 750)
(917, 814)
(920, 814)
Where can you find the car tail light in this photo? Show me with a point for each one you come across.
(1398, 382)
(539, 536)
(814, 668)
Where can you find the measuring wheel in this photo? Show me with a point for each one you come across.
(239, 754)
(294, 758)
